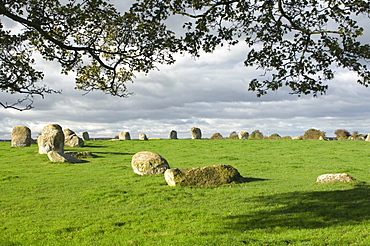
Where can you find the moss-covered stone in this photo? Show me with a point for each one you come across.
(202, 176)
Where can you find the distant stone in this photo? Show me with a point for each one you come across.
(85, 136)
(243, 135)
(124, 136)
(21, 136)
(51, 139)
(195, 133)
(172, 135)
(79, 154)
(148, 163)
(202, 176)
(142, 136)
(341, 177)
(299, 137)
(217, 136)
(71, 139)
(55, 156)
(321, 138)
(367, 137)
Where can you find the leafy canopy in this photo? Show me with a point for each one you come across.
(297, 44)
(90, 37)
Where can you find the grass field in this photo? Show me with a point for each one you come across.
(102, 202)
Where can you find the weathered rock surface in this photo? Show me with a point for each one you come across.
(71, 139)
(55, 156)
(124, 136)
(299, 137)
(85, 136)
(367, 137)
(217, 135)
(172, 135)
(51, 139)
(21, 136)
(142, 136)
(341, 177)
(243, 135)
(195, 133)
(148, 163)
(202, 176)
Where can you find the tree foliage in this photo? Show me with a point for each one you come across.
(297, 44)
(313, 134)
(342, 134)
(91, 38)
(256, 134)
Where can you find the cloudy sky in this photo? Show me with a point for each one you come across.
(210, 93)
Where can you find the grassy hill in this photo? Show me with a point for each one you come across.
(102, 202)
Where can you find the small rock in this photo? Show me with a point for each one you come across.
(55, 156)
(341, 177)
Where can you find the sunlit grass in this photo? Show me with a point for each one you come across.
(102, 202)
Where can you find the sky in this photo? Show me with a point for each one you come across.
(210, 92)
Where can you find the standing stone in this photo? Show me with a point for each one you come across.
(367, 137)
(243, 135)
(71, 139)
(21, 136)
(202, 176)
(172, 135)
(142, 136)
(85, 136)
(148, 163)
(195, 133)
(124, 136)
(51, 139)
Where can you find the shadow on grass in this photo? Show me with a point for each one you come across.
(250, 179)
(305, 210)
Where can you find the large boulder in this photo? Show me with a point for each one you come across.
(55, 156)
(148, 163)
(124, 136)
(202, 176)
(172, 135)
(142, 136)
(71, 139)
(21, 136)
(195, 133)
(243, 135)
(341, 177)
(85, 136)
(51, 139)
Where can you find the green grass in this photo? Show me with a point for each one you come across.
(103, 202)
